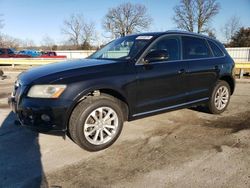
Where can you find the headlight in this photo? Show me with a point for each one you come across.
(46, 91)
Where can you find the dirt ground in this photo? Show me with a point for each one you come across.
(184, 148)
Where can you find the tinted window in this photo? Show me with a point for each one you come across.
(171, 45)
(194, 48)
(216, 50)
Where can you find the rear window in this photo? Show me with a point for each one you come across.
(195, 48)
(216, 50)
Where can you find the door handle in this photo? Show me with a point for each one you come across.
(181, 71)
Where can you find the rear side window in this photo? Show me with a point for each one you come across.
(216, 50)
(195, 48)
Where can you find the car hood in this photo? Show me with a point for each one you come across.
(58, 68)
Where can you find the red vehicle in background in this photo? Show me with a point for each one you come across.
(9, 53)
(51, 55)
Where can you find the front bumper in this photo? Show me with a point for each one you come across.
(42, 115)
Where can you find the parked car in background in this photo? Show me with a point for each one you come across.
(130, 78)
(10, 53)
(32, 53)
(51, 54)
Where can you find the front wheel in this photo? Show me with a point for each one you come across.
(219, 98)
(96, 122)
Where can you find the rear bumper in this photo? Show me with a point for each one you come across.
(42, 115)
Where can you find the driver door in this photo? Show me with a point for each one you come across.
(161, 83)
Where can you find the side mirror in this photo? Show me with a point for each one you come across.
(156, 55)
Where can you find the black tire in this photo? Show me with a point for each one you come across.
(81, 114)
(212, 104)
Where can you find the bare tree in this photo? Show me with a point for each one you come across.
(9, 42)
(191, 14)
(27, 43)
(212, 33)
(231, 27)
(6, 40)
(126, 18)
(2, 42)
(47, 42)
(184, 15)
(78, 31)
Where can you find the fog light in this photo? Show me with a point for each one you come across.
(45, 117)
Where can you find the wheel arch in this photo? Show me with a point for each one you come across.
(122, 98)
(230, 81)
(99, 91)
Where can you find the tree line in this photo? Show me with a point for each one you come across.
(128, 18)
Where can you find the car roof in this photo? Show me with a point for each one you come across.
(174, 32)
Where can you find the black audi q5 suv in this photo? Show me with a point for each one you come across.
(131, 77)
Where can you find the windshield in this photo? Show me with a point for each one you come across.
(122, 48)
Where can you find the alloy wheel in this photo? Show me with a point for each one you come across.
(221, 98)
(101, 125)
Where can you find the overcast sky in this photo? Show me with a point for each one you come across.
(33, 19)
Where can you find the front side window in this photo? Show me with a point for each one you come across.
(195, 48)
(216, 50)
(123, 48)
(169, 44)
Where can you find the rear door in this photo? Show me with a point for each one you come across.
(160, 84)
(202, 71)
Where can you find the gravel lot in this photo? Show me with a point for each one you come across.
(185, 148)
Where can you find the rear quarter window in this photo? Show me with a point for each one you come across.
(216, 50)
(195, 48)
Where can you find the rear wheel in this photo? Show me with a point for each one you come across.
(219, 98)
(96, 122)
